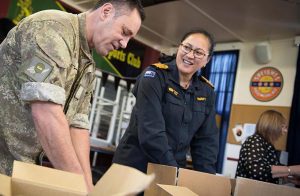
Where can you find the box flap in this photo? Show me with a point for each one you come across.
(233, 183)
(122, 180)
(248, 187)
(163, 175)
(30, 179)
(177, 190)
(5, 185)
(204, 183)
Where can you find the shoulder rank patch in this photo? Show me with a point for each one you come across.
(171, 90)
(38, 70)
(149, 74)
(161, 66)
(206, 81)
(201, 98)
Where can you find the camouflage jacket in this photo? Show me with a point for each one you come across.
(44, 58)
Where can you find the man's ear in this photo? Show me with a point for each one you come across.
(106, 11)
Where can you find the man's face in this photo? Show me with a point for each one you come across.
(115, 32)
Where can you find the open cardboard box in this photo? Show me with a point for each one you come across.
(186, 182)
(32, 180)
(183, 182)
(248, 187)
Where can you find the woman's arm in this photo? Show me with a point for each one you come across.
(284, 171)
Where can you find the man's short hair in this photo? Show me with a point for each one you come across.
(119, 5)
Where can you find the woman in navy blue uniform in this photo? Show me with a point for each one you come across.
(174, 112)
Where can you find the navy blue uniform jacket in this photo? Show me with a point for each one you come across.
(168, 120)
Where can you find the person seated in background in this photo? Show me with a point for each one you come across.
(174, 111)
(258, 153)
(291, 173)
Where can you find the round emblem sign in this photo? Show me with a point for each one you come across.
(266, 84)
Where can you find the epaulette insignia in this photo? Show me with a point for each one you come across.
(161, 66)
(207, 81)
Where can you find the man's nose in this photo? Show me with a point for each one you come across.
(124, 42)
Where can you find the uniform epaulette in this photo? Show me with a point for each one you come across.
(161, 65)
(207, 81)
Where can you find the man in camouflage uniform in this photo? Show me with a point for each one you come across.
(46, 82)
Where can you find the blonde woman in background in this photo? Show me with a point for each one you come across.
(258, 153)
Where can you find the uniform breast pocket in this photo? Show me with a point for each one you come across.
(173, 110)
(199, 116)
(80, 92)
(199, 107)
(172, 99)
(85, 83)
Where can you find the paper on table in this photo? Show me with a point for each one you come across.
(249, 129)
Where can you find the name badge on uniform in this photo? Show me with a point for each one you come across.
(201, 98)
(38, 69)
(171, 90)
(149, 74)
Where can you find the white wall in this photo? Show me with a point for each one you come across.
(232, 153)
(284, 58)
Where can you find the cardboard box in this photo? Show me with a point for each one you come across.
(32, 180)
(177, 182)
(248, 187)
(5, 185)
(175, 190)
(186, 182)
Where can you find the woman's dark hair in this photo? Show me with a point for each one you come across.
(206, 34)
(119, 4)
(164, 58)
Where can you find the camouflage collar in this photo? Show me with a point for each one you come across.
(82, 35)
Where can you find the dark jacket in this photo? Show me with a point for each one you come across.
(168, 120)
(256, 158)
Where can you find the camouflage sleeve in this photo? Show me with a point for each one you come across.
(80, 121)
(46, 55)
(43, 92)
